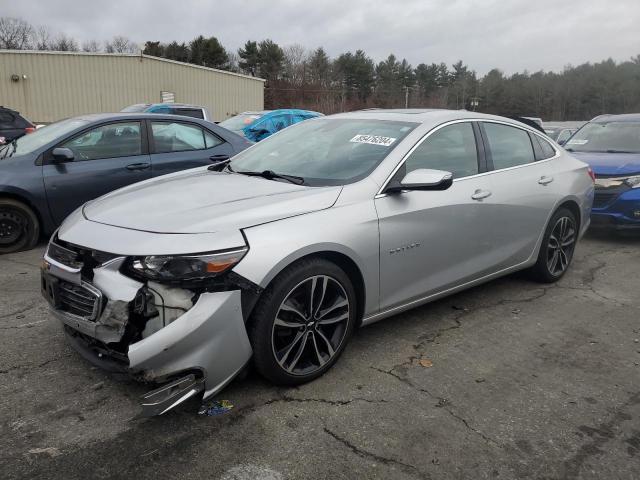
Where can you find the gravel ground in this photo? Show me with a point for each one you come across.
(511, 379)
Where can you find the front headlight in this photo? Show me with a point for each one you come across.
(172, 268)
(633, 182)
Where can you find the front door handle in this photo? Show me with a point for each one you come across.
(138, 166)
(480, 194)
(544, 180)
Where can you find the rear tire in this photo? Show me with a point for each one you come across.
(556, 250)
(19, 226)
(302, 322)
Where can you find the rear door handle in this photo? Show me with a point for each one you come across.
(544, 180)
(480, 194)
(138, 166)
(219, 158)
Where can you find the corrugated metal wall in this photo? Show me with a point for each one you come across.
(60, 85)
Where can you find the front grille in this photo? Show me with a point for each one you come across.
(603, 199)
(79, 300)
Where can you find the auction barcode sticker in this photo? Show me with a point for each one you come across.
(373, 140)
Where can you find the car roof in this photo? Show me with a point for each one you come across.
(625, 117)
(433, 116)
(180, 105)
(96, 117)
(280, 110)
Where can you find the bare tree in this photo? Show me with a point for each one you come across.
(91, 46)
(64, 43)
(295, 63)
(121, 44)
(234, 61)
(42, 38)
(15, 33)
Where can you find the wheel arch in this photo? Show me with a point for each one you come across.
(341, 259)
(569, 203)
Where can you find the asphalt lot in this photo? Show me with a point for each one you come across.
(526, 381)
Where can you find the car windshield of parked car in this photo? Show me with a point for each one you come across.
(237, 123)
(609, 137)
(325, 151)
(42, 136)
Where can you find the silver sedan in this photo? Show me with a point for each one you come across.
(278, 255)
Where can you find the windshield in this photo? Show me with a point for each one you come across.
(610, 137)
(325, 151)
(137, 108)
(42, 136)
(237, 123)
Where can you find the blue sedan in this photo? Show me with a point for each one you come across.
(610, 144)
(257, 126)
(46, 175)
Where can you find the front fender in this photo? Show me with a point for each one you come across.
(350, 230)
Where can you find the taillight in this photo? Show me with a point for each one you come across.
(592, 175)
(29, 129)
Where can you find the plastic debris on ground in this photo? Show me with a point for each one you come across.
(425, 362)
(218, 407)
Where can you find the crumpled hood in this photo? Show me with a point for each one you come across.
(202, 201)
(611, 164)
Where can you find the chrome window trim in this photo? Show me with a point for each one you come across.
(381, 193)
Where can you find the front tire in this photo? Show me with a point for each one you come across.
(558, 245)
(302, 322)
(19, 226)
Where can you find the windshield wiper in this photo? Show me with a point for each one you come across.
(271, 175)
(612, 150)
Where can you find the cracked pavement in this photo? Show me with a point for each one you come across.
(511, 379)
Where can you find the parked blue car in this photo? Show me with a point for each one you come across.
(610, 144)
(47, 174)
(257, 126)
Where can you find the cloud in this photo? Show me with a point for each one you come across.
(512, 35)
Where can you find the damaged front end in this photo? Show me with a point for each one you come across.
(178, 321)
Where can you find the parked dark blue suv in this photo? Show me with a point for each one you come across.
(610, 144)
(47, 174)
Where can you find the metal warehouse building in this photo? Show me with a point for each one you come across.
(48, 86)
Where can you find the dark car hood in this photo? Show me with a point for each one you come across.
(611, 164)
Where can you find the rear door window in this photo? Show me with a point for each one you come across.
(508, 146)
(190, 112)
(180, 137)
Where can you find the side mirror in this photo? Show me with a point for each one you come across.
(62, 154)
(561, 142)
(423, 179)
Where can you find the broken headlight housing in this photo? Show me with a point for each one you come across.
(633, 182)
(185, 268)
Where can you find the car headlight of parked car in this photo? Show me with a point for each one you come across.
(633, 182)
(187, 268)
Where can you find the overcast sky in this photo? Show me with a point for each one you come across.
(512, 35)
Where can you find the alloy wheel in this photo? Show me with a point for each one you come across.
(310, 325)
(560, 246)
